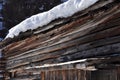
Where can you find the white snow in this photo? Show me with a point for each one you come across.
(58, 64)
(64, 10)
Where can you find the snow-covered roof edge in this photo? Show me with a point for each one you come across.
(61, 11)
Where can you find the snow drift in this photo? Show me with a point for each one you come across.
(61, 11)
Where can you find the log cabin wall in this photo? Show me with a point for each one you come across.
(71, 74)
(2, 68)
(74, 70)
(92, 33)
(74, 74)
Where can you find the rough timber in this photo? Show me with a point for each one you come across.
(92, 34)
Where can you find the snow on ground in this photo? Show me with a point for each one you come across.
(64, 10)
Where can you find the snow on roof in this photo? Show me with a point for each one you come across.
(64, 10)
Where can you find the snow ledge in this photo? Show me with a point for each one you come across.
(61, 11)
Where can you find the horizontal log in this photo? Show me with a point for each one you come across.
(2, 69)
(104, 50)
(74, 42)
(85, 64)
(23, 47)
(69, 38)
(93, 33)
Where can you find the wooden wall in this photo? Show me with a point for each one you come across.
(2, 68)
(80, 75)
(74, 74)
(92, 33)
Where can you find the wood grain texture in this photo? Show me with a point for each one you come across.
(92, 34)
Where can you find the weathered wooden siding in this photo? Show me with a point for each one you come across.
(91, 69)
(2, 68)
(95, 32)
(73, 74)
(80, 75)
(92, 33)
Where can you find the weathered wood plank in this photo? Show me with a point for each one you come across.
(21, 50)
(76, 74)
(94, 32)
(95, 36)
(118, 73)
(63, 55)
(89, 38)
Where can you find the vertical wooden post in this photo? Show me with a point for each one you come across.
(118, 73)
(42, 75)
(64, 74)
